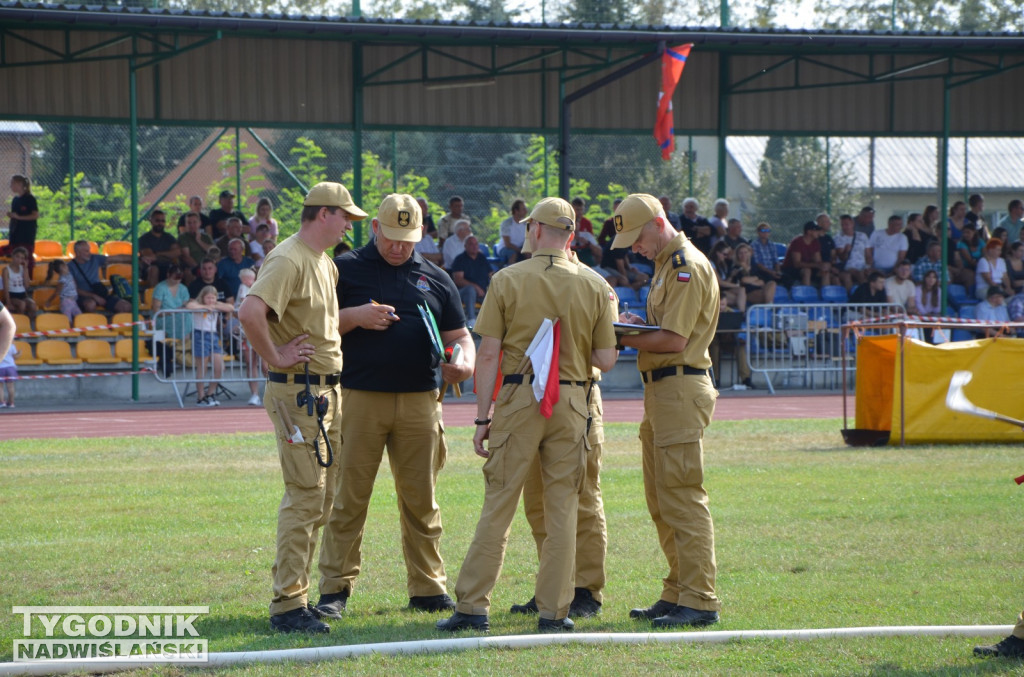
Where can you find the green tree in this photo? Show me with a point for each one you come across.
(798, 179)
(921, 15)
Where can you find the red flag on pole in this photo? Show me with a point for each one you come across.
(550, 399)
(672, 63)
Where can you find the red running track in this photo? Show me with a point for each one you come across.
(142, 420)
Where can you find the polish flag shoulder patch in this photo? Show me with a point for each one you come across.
(682, 277)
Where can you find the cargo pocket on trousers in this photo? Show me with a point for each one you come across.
(442, 449)
(494, 467)
(681, 460)
(299, 466)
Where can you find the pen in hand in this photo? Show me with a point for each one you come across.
(390, 314)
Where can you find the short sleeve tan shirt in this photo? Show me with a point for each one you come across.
(298, 284)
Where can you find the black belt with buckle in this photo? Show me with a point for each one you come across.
(303, 379)
(528, 378)
(656, 375)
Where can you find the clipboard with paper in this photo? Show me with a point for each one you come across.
(437, 345)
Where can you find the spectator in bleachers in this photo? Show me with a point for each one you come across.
(918, 237)
(931, 219)
(219, 217)
(927, 298)
(64, 288)
(428, 221)
(734, 293)
(696, 227)
(991, 270)
(887, 247)
(1015, 266)
(156, 244)
(206, 342)
(932, 261)
(456, 244)
(803, 264)
(513, 234)
(734, 234)
(957, 220)
(24, 215)
(828, 244)
(1014, 220)
(229, 266)
(872, 291)
(215, 253)
(900, 289)
(766, 258)
(993, 309)
(258, 242)
(264, 209)
(719, 221)
(759, 287)
(1015, 309)
(1001, 233)
(666, 204)
(8, 375)
(866, 221)
(208, 277)
(195, 245)
(584, 243)
(976, 205)
(472, 275)
(970, 248)
(617, 261)
(92, 294)
(426, 247)
(195, 205)
(607, 234)
(16, 291)
(446, 224)
(170, 294)
(848, 256)
(234, 232)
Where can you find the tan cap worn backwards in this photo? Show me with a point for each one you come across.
(328, 194)
(400, 218)
(554, 212)
(634, 213)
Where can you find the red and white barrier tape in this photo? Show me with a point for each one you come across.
(77, 375)
(78, 330)
(888, 319)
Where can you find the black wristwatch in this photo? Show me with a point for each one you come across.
(478, 421)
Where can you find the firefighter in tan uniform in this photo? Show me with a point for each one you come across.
(679, 399)
(591, 526)
(520, 298)
(291, 319)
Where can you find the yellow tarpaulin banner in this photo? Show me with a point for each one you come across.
(997, 385)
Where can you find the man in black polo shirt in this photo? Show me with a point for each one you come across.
(389, 382)
(219, 217)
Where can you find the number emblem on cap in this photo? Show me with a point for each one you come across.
(403, 218)
(618, 223)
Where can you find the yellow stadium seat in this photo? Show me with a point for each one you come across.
(21, 323)
(41, 295)
(95, 351)
(146, 300)
(125, 318)
(122, 269)
(123, 349)
(93, 247)
(56, 352)
(94, 320)
(116, 248)
(47, 250)
(52, 322)
(39, 273)
(24, 357)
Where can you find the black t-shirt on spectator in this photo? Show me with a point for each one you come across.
(156, 243)
(219, 215)
(476, 270)
(223, 293)
(863, 294)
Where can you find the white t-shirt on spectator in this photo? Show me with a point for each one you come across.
(515, 231)
(887, 248)
(899, 292)
(995, 273)
(858, 242)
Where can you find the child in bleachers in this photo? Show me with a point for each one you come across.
(66, 289)
(16, 286)
(8, 374)
(206, 341)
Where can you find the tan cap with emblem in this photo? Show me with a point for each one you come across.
(330, 194)
(400, 218)
(554, 212)
(633, 214)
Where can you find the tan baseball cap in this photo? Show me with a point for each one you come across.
(400, 218)
(632, 215)
(554, 212)
(328, 194)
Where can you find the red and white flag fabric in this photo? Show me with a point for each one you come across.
(543, 354)
(672, 63)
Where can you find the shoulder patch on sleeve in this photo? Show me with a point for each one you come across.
(678, 260)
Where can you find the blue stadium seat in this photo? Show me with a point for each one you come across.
(780, 250)
(834, 293)
(967, 313)
(958, 296)
(645, 291)
(781, 295)
(485, 250)
(804, 294)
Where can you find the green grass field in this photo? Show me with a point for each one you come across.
(810, 534)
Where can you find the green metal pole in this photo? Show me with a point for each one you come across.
(689, 163)
(238, 167)
(71, 178)
(394, 163)
(723, 119)
(356, 9)
(723, 11)
(357, 131)
(828, 174)
(547, 188)
(278, 161)
(967, 181)
(944, 187)
(133, 159)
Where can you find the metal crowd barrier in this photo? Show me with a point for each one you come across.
(173, 347)
(803, 343)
